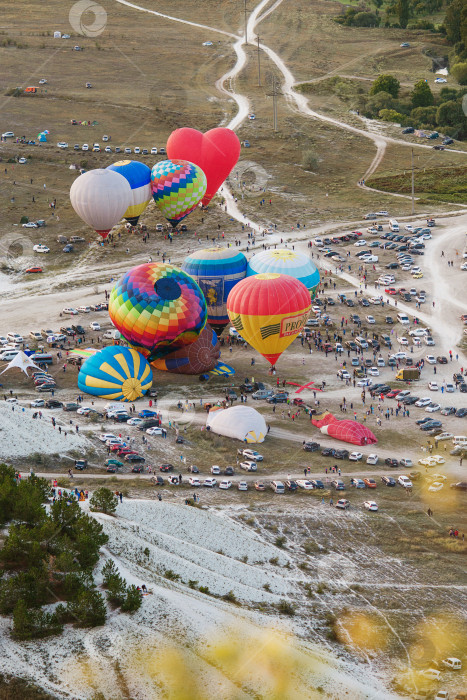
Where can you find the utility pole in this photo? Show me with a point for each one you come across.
(274, 94)
(259, 64)
(246, 23)
(413, 186)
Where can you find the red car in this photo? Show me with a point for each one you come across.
(391, 290)
(122, 453)
(34, 269)
(392, 394)
(370, 483)
(298, 402)
(357, 233)
(115, 448)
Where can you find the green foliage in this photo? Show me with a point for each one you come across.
(88, 610)
(358, 17)
(280, 542)
(390, 115)
(34, 624)
(403, 12)
(230, 597)
(459, 71)
(424, 115)
(171, 575)
(286, 608)
(132, 601)
(421, 95)
(386, 83)
(454, 21)
(103, 500)
(438, 184)
(451, 113)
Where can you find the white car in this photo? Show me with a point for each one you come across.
(134, 421)
(343, 374)
(242, 486)
(430, 359)
(84, 309)
(418, 332)
(409, 228)
(372, 459)
(35, 335)
(428, 340)
(433, 386)
(373, 372)
(253, 455)
(445, 436)
(103, 437)
(370, 505)
(383, 212)
(402, 340)
(433, 407)
(215, 469)
(70, 311)
(94, 326)
(8, 135)
(365, 382)
(40, 248)
(154, 151)
(252, 116)
(355, 456)
(442, 695)
(208, 43)
(370, 319)
(30, 224)
(415, 270)
(406, 462)
(210, 482)
(402, 394)
(452, 663)
(374, 300)
(225, 484)
(404, 481)
(38, 403)
(62, 144)
(127, 149)
(450, 388)
(194, 481)
(305, 484)
(85, 147)
(360, 243)
(369, 258)
(155, 430)
(137, 150)
(107, 149)
(421, 403)
(248, 466)
(380, 362)
(15, 337)
(440, 80)
(3, 340)
(417, 342)
(436, 486)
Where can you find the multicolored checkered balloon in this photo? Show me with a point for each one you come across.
(177, 187)
(158, 308)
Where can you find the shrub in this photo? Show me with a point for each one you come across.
(280, 542)
(310, 160)
(133, 600)
(88, 610)
(390, 115)
(171, 575)
(386, 83)
(230, 597)
(286, 608)
(459, 71)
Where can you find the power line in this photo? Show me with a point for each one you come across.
(274, 94)
(259, 63)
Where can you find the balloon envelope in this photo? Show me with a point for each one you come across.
(157, 307)
(216, 152)
(196, 358)
(139, 178)
(287, 262)
(177, 188)
(217, 271)
(117, 373)
(269, 311)
(100, 197)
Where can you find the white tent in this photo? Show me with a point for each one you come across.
(22, 361)
(239, 422)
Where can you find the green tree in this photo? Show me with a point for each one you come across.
(34, 624)
(386, 83)
(403, 12)
(103, 501)
(424, 115)
(459, 71)
(450, 114)
(132, 600)
(366, 19)
(452, 21)
(88, 610)
(421, 95)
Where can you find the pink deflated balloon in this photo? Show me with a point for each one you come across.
(216, 152)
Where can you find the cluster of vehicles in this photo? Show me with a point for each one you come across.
(96, 147)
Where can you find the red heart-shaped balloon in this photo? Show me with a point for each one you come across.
(215, 152)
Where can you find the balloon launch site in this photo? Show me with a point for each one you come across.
(233, 350)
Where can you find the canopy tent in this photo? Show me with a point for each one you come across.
(22, 362)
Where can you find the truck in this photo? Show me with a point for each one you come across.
(408, 374)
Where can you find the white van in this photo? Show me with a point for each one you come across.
(452, 663)
(393, 225)
(8, 355)
(278, 487)
(459, 439)
(404, 319)
(112, 335)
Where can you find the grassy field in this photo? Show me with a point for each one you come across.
(435, 184)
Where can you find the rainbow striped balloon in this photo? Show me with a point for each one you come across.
(158, 308)
(177, 188)
(117, 373)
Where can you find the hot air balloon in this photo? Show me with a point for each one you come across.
(196, 358)
(100, 197)
(216, 152)
(269, 311)
(139, 176)
(217, 271)
(177, 188)
(158, 308)
(286, 262)
(116, 373)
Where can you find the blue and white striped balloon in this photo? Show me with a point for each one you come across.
(286, 262)
(117, 373)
